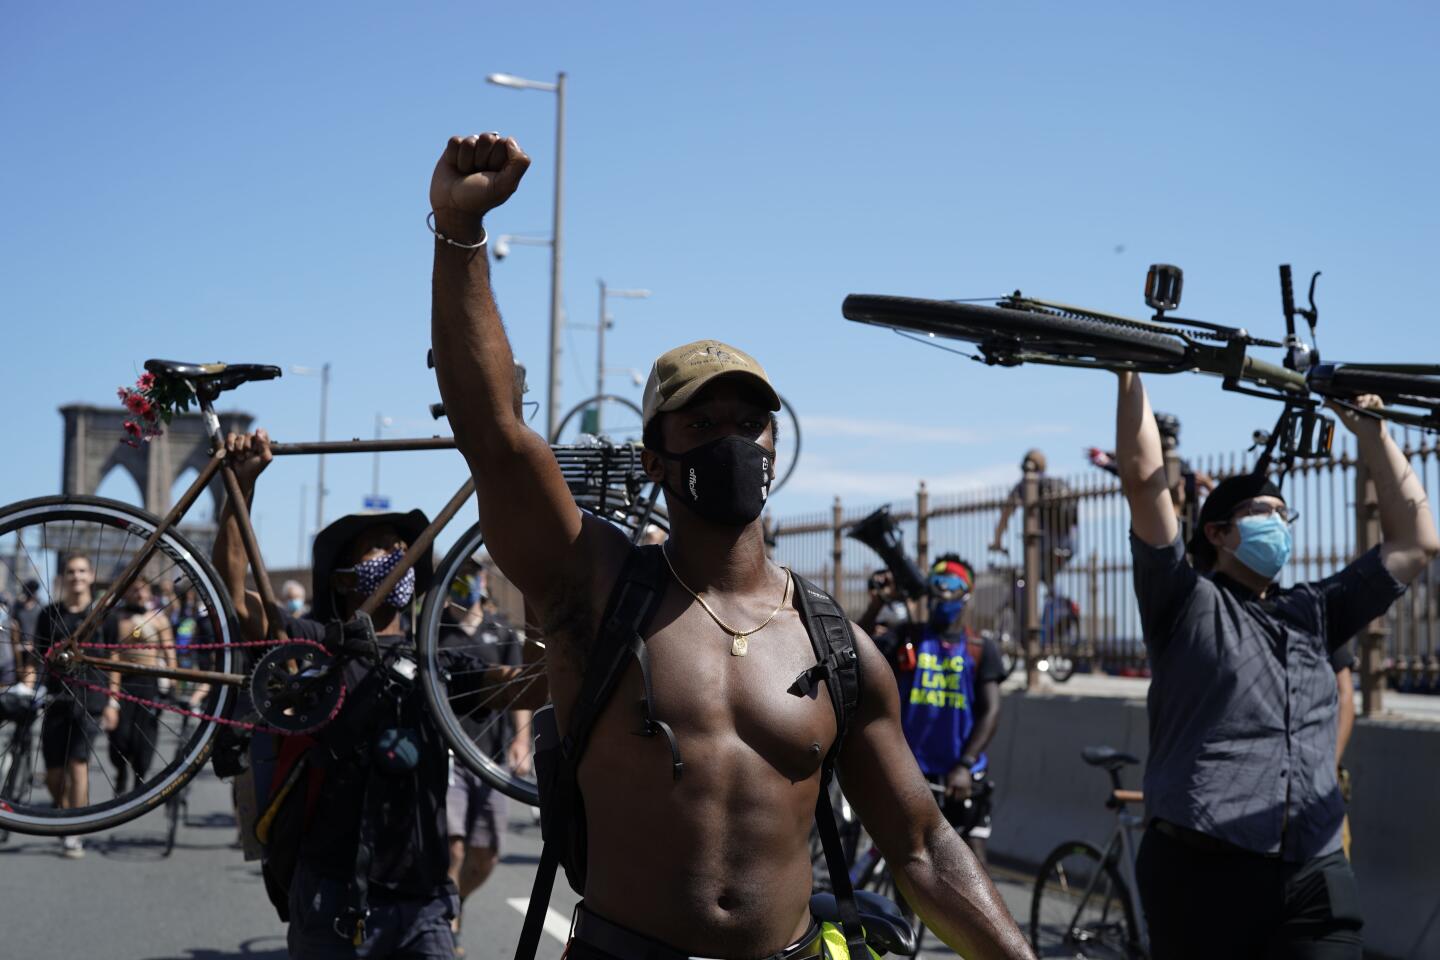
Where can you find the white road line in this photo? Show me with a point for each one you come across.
(556, 924)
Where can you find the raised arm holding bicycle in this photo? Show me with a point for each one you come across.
(1241, 795)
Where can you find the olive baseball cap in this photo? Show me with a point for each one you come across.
(680, 373)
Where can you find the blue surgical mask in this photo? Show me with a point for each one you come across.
(1264, 544)
(295, 605)
(943, 613)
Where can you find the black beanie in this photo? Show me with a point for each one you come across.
(1223, 500)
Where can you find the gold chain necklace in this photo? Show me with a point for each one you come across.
(739, 642)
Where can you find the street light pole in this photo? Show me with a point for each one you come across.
(605, 294)
(320, 465)
(600, 358)
(557, 323)
(381, 422)
(324, 372)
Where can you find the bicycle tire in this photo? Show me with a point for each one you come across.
(1069, 942)
(596, 400)
(46, 820)
(790, 428)
(1345, 380)
(19, 766)
(1012, 336)
(435, 676)
(1065, 651)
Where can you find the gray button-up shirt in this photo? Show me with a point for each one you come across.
(1242, 703)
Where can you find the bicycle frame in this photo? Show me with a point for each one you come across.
(71, 648)
(220, 463)
(1121, 843)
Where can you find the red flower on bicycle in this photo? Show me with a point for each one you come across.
(152, 402)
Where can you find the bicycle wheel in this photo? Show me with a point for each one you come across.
(606, 415)
(16, 759)
(1411, 393)
(877, 879)
(1010, 336)
(39, 538)
(478, 725)
(620, 420)
(1081, 907)
(1064, 648)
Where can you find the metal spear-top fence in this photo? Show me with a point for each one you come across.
(1073, 538)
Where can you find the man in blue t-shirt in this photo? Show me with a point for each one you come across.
(951, 704)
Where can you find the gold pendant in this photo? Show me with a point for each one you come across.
(739, 646)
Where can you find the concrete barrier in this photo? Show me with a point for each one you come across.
(1046, 794)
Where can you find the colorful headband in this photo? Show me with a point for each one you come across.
(951, 576)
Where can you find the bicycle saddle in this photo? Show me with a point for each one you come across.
(1107, 757)
(217, 376)
(886, 929)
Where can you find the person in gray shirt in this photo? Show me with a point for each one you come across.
(1241, 855)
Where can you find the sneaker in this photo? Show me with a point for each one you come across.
(72, 848)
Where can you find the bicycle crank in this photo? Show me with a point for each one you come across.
(296, 687)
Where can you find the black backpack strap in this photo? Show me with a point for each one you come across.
(837, 663)
(838, 666)
(630, 609)
(840, 885)
(539, 903)
(350, 923)
(649, 725)
(632, 605)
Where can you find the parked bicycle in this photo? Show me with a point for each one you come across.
(1060, 642)
(1086, 901)
(18, 712)
(295, 687)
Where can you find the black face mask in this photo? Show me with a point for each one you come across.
(726, 481)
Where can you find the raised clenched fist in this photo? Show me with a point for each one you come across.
(475, 175)
(249, 454)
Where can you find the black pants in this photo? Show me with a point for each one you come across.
(1231, 903)
(132, 742)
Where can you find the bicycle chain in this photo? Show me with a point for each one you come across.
(195, 714)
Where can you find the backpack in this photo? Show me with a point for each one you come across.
(630, 609)
(288, 802)
(290, 788)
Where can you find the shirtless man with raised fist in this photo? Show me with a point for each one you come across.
(714, 863)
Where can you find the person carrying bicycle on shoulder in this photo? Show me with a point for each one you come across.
(1242, 853)
(359, 865)
(1059, 516)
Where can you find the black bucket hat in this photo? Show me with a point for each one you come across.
(332, 541)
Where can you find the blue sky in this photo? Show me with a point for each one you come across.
(248, 183)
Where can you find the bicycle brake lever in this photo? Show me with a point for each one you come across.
(1313, 313)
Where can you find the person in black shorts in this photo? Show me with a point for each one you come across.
(143, 637)
(79, 705)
